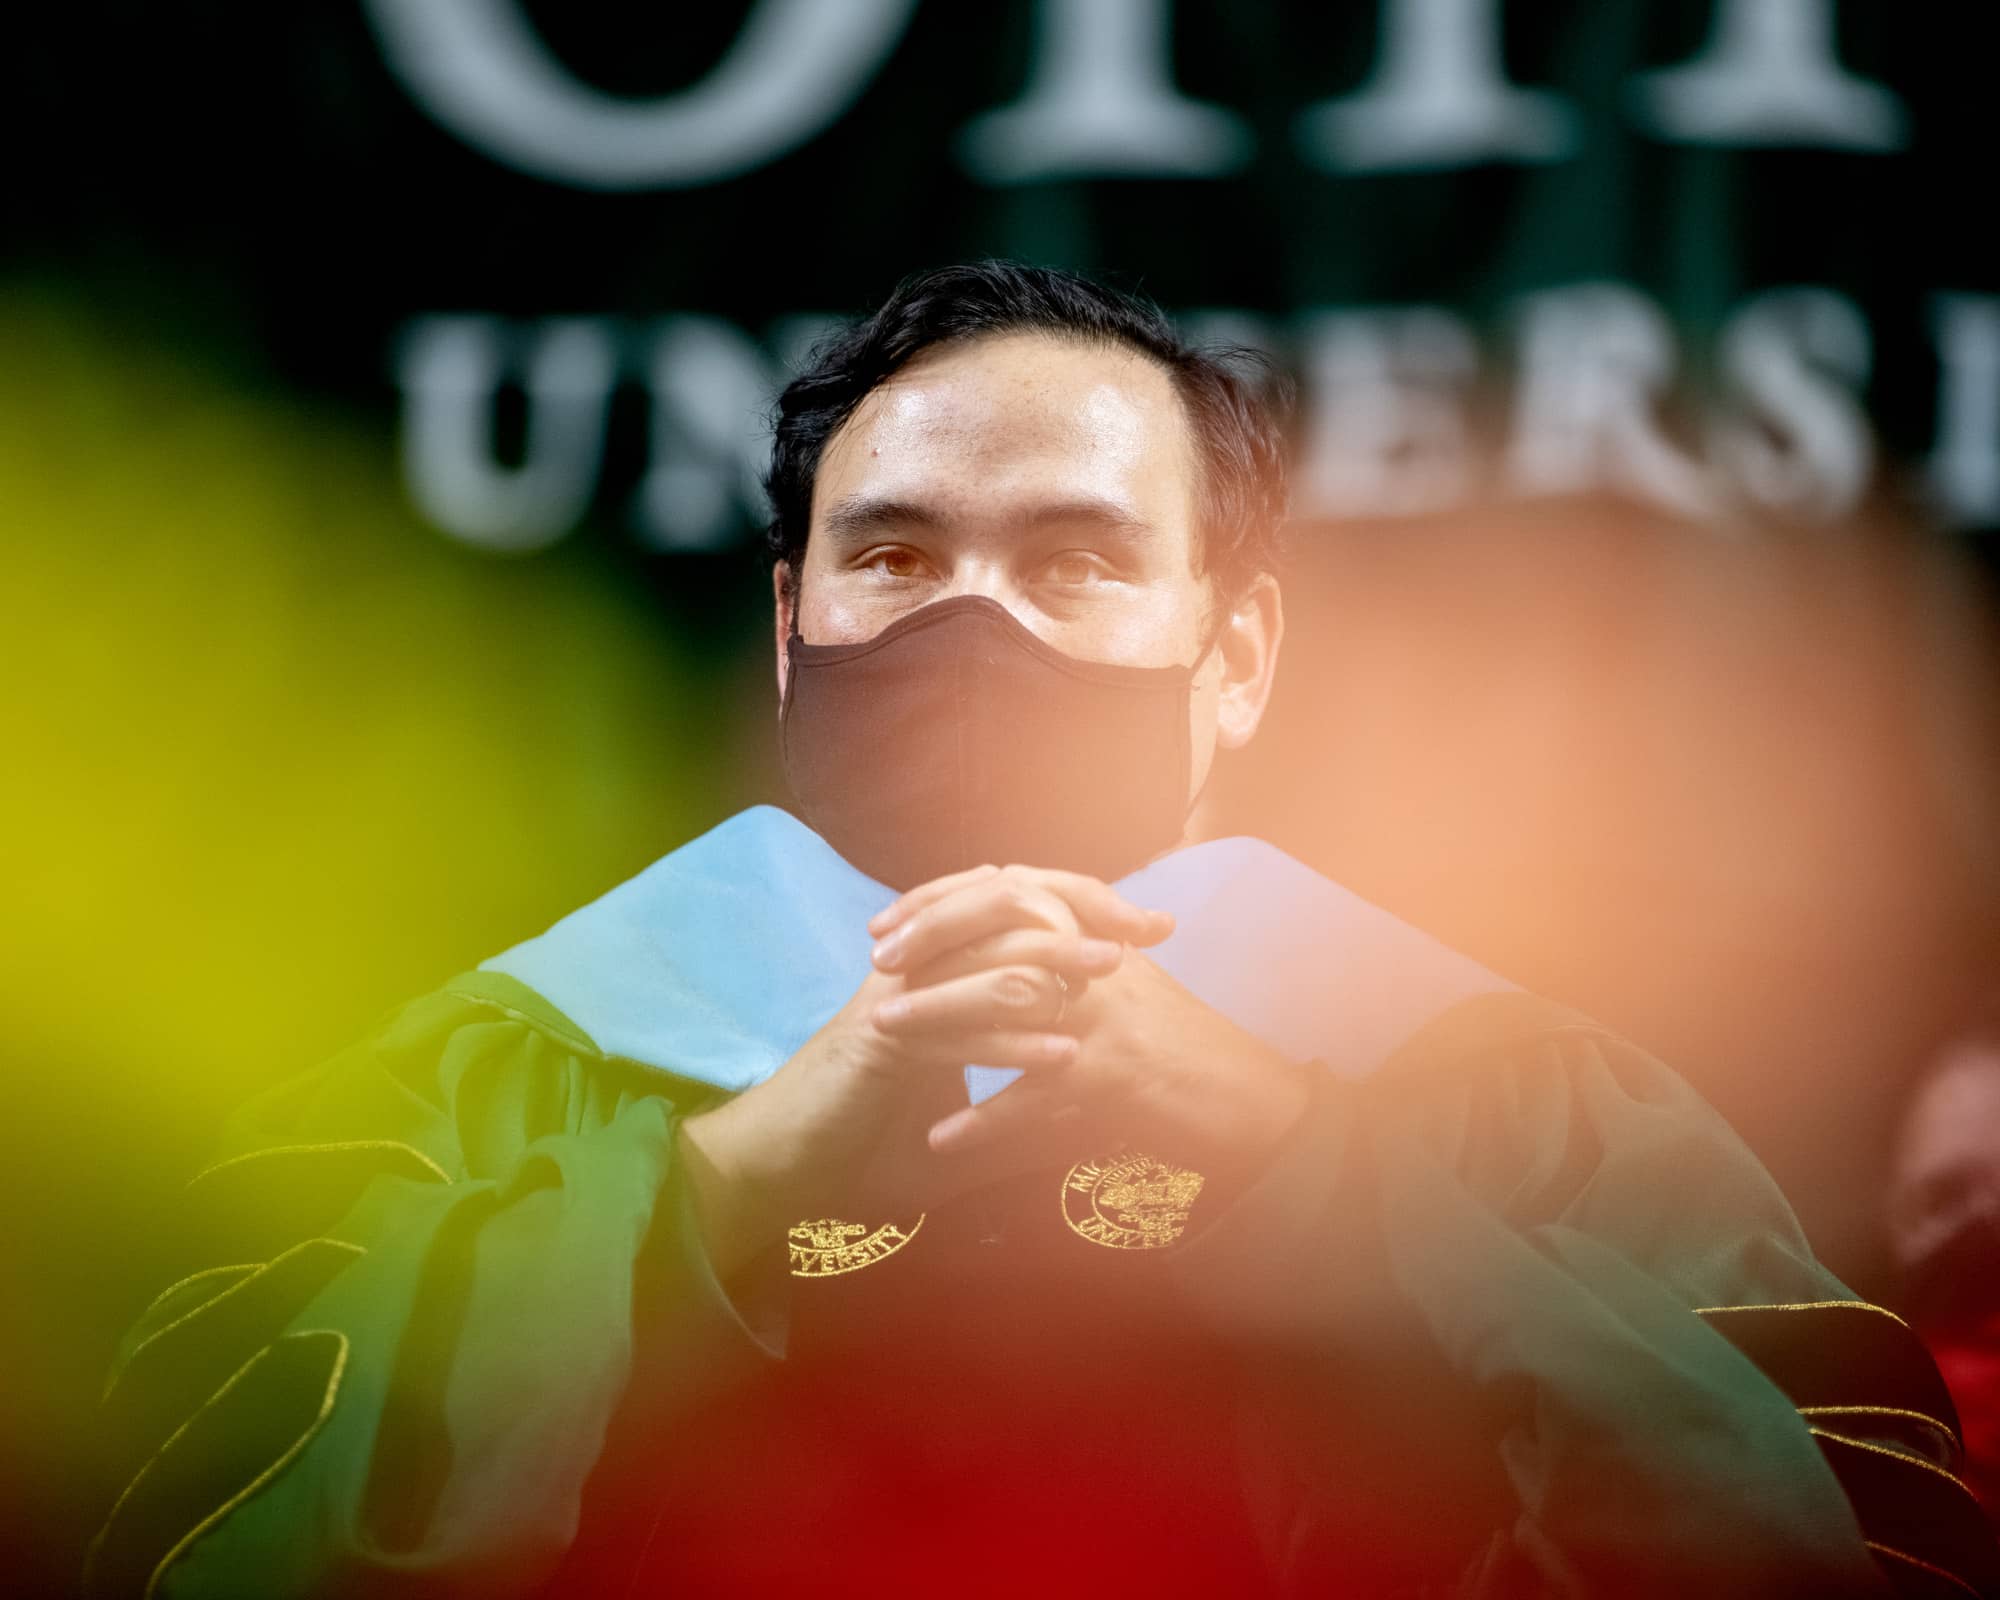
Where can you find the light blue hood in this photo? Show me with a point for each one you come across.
(718, 961)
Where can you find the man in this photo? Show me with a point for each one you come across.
(690, 1248)
(1943, 1213)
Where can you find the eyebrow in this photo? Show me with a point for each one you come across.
(864, 516)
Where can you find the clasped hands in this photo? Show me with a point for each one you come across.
(1018, 967)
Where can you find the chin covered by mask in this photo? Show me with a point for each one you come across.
(955, 736)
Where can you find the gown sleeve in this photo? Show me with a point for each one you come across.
(410, 1316)
(1679, 1390)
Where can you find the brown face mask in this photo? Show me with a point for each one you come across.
(956, 737)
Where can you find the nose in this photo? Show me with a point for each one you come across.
(993, 580)
(983, 576)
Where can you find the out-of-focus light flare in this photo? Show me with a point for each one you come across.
(277, 757)
(1732, 790)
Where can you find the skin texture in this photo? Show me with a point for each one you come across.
(1059, 479)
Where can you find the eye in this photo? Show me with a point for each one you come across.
(894, 561)
(1074, 568)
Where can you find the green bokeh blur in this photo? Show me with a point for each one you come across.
(277, 757)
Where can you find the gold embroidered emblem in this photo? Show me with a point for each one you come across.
(827, 1247)
(1129, 1201)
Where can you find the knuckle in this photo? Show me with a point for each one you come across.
(1041, 947)
(1023, 898)
(1016, 986)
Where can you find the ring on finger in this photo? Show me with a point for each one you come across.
(1063, 992)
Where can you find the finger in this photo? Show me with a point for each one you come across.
(907, 905)
(1025, 1049)
(1095, 904)
(1005, 997)
(972, 912)
(1077, 959)
(1103, 911)
(1016, 1111)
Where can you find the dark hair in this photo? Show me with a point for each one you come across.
(1236, 402)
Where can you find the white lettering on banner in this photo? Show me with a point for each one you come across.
(1438, 97)
(450, 369)
(478, 68)
(1387, 434)
(1769, 76)
(711, 389)
(1595, 361)
(1964, 468)
(1101, 102)
(1225, 325)
(1796, 356)
(1388, 427)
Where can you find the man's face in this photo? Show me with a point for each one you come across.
(1053, 477)
(1945, 1176)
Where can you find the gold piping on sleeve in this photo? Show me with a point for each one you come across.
(321, 1149)
(1951, 1478)
(285, 1457)
(291, 1454)
(246, 1269)
(258, 1270)
(1922, 1566)
(1806, 1305)
(178, 1284)
(1924, 1417)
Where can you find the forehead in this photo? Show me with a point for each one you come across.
(969, 426)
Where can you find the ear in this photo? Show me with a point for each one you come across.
(1247, 657)
(784, 597)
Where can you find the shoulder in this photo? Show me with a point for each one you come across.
(483, 1057)
(1515, 1047)
(1584, 1140)
(1501, 1022)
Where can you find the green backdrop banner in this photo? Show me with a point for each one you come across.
(1722, 256)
